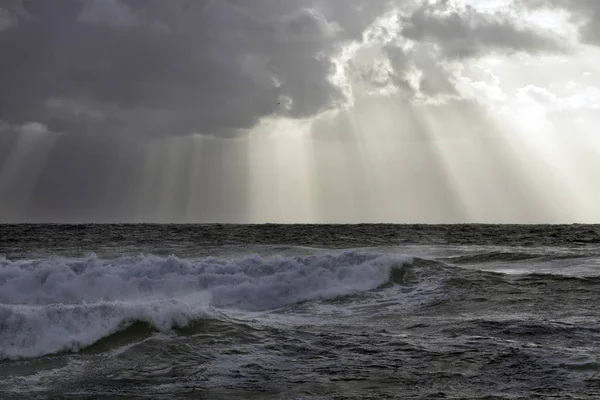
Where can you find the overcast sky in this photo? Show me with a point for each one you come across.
(300, 111)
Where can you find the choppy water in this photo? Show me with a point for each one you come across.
(308, 312)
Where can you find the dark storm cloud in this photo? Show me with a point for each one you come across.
(11, 12)
(7, 20)
(214, 67)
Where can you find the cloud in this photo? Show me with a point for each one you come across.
(217, 68)
(580, 98)
(584, 13)
(27, 128)
(418, 52)
(11, 12)
(214, 67)
(7, 21)
(110, 12)
(115, 109)
(464, 31)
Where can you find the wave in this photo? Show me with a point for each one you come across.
(56, 305)
(33, 331)
(491, 257)
(511, 256)
(533, 278)
(511, 327)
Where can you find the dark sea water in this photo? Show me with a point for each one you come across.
(299, 312)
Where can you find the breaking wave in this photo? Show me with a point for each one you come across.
(56, 305)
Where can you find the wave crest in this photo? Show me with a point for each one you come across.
(55, 305)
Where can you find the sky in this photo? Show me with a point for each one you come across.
(300, 111)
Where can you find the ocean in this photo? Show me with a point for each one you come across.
(299, 312)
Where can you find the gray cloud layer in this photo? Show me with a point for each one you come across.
(122, 80)
(168, 67)
(213, 67)
(584, 12)
(466, 32)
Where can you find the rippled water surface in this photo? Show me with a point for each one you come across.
(307, 312)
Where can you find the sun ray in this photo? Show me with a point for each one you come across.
(281, 176)
(22, 168)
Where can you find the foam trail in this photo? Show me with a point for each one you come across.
(53, 305)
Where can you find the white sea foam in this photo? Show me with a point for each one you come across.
(53, 305)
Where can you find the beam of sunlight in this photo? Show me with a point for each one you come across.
(369, 134)
(20, 172)
(524, 109)
(403, 162)
(282, 182)
(536, 132)
(120, 191)
(173, 182)
(467, 172)
(343, 190)
(151, 195)
(494, 182)
(192, 208)
(167, 186)
(216, 180)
